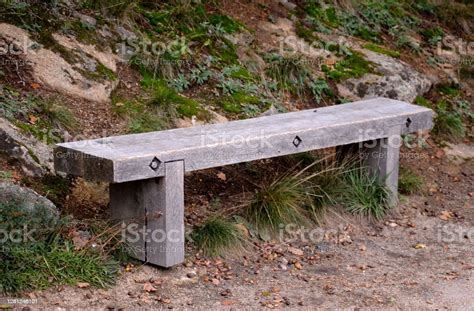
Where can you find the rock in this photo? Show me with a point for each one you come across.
(459, 153)
(290, 6)
(85, 19)
(53, 71)
(106, 58)
(30, 208)
(34, 157)
(124, 33)
(270, 111)
(395, 80)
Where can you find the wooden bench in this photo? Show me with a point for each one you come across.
(146, 171)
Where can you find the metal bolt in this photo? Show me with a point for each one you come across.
(155, 164)
(297, 141)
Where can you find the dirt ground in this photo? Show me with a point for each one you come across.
(420, 257)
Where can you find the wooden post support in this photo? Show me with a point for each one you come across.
(381, 157)
(166, 244)
(152, 215)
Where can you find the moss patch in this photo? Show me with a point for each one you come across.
(352, 66)
(381, 50)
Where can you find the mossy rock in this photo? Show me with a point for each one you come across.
(24, 208)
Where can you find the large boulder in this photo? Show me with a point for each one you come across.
(34, 157)
(52, 70)
(395, 79)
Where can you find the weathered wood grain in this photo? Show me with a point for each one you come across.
(127, 158)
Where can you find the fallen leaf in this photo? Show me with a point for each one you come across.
(419, 246)
(227, 302)
(221, 176)
(83, 285)
(79, 242)
(445, 215)
(32, 119)
(439, 154)
(35, 86)
(298, 266)
(295, 251)
(147, 287)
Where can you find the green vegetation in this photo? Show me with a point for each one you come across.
(216, 235)
(409, 182)
(421, 101)
(449, 122)
(449, 89)
(48, 257)
(44, 119)
(352, 66)
(364, 194)
(452, 112)
(381, 50)
(238, 102)
(292, 74)
(280, 201)
(305, 33)
(166, 100)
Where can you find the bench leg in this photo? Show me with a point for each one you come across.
(152, 215)
(382, 159)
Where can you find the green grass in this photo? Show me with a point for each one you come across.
(305, 33)
(237, 102)
(280, 201)
(364, 194)
(59, 114)
(171, 104)
(409, 182)
(421, 101)
(449, 123)
(449, 89)
(215, 236)
(352, 66)
(381, 50)
(53, 262)
(290, 73)
(49, 258)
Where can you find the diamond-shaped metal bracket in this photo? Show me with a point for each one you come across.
(297, 141)
(155, 164)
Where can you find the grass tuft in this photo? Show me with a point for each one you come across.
(409, 182)
(216, 235)
(281, 201)
(449, 123)
(364, 194)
